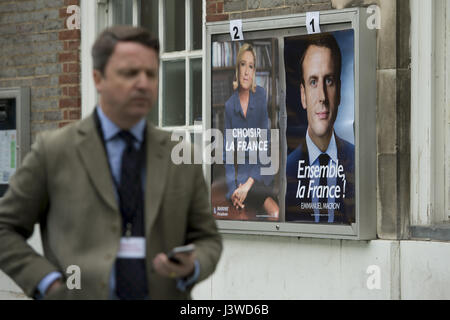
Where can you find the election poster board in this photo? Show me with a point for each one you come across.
(245, 108)
(310, 112)
(320, 122)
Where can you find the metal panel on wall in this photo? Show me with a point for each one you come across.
(14, 131)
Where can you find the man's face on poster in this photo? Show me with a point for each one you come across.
(320, 92)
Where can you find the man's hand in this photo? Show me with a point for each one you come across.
(54, 286)
(166, 268)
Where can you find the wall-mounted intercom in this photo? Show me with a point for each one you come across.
(14, 131)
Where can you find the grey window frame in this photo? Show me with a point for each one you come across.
(430, 96)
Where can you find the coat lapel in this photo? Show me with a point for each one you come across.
(92, 154)
(156, 170)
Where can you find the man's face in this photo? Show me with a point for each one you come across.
(129, 85)
(321, 92)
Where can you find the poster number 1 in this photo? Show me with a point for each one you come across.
(313, 22)
(312, 26)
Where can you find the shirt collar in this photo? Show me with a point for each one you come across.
(110, 129)
(237, 105)
(314, 151)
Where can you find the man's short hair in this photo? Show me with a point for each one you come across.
(107, 40)
(324, 40)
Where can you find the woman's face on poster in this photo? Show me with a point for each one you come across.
(246, 70)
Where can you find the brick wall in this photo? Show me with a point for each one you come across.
(218, 10)
(38, 51)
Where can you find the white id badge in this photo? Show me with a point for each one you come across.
(132, 248)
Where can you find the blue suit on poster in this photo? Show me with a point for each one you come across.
(257, 118)
(301, 209)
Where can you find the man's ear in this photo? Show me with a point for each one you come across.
(303, 95)
(98, 79)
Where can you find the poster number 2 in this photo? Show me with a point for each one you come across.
(313, 22)
(236, 33)
(236, 30)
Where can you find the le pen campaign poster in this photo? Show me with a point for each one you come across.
(288, 128)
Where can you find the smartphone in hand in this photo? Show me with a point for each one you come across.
(182, 249)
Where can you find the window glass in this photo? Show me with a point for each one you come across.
(174, 97)
(196, 22)
(175, 27)
(122, 11)
(172, 29)
(196, 91)
(149, 15)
